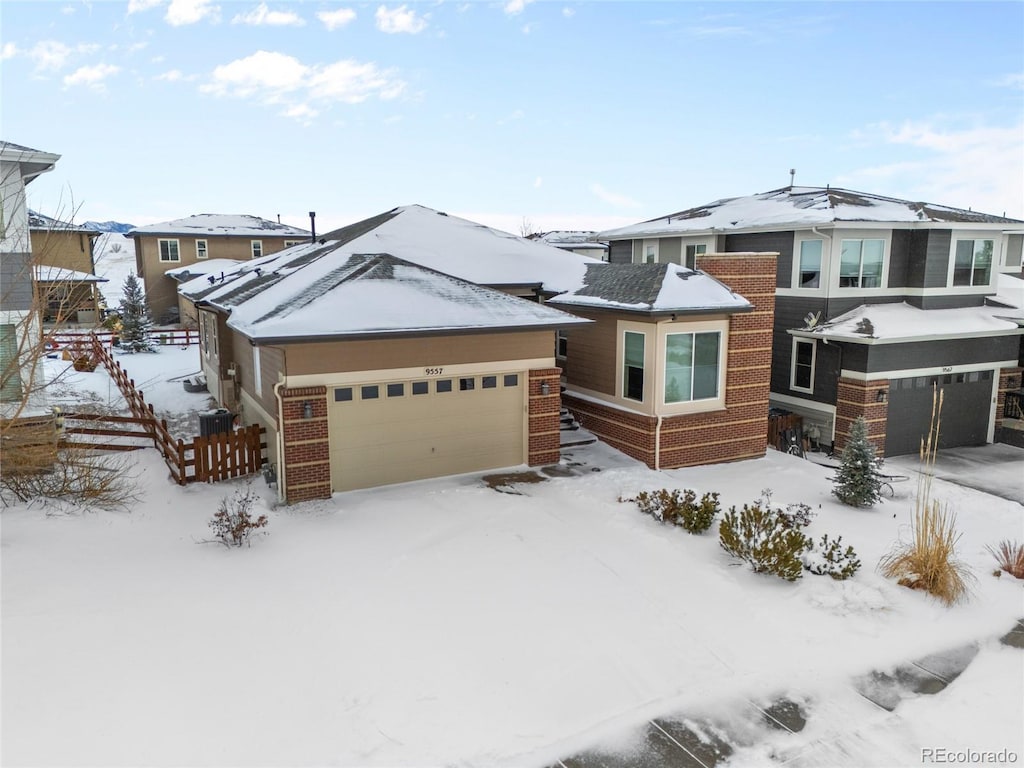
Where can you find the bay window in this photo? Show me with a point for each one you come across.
(692, 366)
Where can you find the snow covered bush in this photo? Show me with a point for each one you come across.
(857, 482)
(758, 536)
(796, 515)
(85, 478)
(1010, 557)
(135, 320)
(233, 525)
(829, 558)
(680, 508)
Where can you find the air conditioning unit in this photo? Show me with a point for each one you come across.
(231, 372)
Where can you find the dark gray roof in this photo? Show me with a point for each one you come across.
(624, 283)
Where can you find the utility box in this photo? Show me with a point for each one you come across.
(215, 422)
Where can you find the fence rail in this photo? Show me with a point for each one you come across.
(778, 424)
(68, 338)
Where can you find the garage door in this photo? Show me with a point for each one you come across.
(396, 431)
(966, 404)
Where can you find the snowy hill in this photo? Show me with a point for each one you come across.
(114, 258)
(109, 226)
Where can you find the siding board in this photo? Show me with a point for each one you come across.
(763, 242)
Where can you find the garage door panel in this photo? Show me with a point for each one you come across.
(966, 408)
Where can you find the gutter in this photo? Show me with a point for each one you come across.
(821, 277)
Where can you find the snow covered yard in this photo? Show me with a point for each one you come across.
(443, 623)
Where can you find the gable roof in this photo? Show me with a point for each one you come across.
(203, 268)
(370, 295)
(653, 289)
(221, 225)
(38, 220)
(43, 273)
(32, 161)
(800, 207)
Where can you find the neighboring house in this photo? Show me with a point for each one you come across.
(674, 369)
(877, 300)
(20, 329)
(583, 242)
(182, 242)
(64, 255)
(212, 269)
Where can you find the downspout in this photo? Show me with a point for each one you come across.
(280, 440)
(827, 292)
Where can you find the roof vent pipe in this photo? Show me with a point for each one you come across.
(279, 218)
(792, 176)
(312, 226)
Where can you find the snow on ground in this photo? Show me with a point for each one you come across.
(115, 259)
(443, 623)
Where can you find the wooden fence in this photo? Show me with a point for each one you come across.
(183, 337)
(109, 427)
(777, 424)
(205, 459)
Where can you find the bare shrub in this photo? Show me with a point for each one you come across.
(84, 477)
(929, 560)
(1010, 557)
(233, 525)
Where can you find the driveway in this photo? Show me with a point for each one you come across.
(996, 468)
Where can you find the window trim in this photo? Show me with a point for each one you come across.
(205, 252)
(693, 333)
(883, 268)
(160, 251)
(293, 243)
(792, 364)
(798, 264)
(561, 344)
(686, 254)
(653, 245)
(254, 246)
(993, 265)
(624, 368)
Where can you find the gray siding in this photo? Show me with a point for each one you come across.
(15, 282)
(638, 251)
(620, 252)
(1014, 250)
(790, 313)
(928, 354)
(900, 257)
(945, 302)
(936, 269)
(670, 250)
(781, 242)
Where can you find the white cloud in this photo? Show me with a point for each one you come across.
(68, 10)
(137, 6)
(1014, 80)
(184, 12)
(568, 12)
(976, 167)
(262, 16)
(49, 55)
(91, 77)
(277, 78)
(526, 29)
(613, 198)
(301, 112)
(171, 76)
(336, 19)
(400, 19)
(538, 182)
(515, 7)
(9, 51)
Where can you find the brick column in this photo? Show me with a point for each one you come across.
(544, 431)
(860, 398)
(307, 459)
(1009, 381)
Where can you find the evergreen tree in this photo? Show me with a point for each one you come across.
(857, 482)
(135, 320)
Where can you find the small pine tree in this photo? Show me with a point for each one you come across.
(135, 320)
(857, 483)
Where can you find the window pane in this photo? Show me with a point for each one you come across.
(678, 367)
(420, 387)
(810, 264)
(634, 349)
(962, 262)
(849, 264)
(511, 379)
(369, 392)
(467, 384)
(443, 385)
(342, 394)
(982, 262)
(871, 267)
(396, 390)
(705, 370)
(803, 367)
(489, 382)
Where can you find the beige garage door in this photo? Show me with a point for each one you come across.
(393, 432)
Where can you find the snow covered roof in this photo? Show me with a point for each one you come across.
(901, 322)
(38, 220)
(653, 288)
(370, 295)
(221, 225)
(800, 207)
(32, 161)
(1009, 290)
(575, 239)
(43, 273)
(203, 268)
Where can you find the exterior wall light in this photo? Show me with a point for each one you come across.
(881, 396)
(307, 410)
(545, 388)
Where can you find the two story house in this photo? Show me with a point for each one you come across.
(181, 242)
(877, 301)
(65, 270)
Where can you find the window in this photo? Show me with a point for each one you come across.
(257, 372)
(201, 251)
(257, 248)
(692, 252)
(169, 250)
(468, 384)
(972, 264)
(691, 366)
(802, 372)
(562, 344)
(443, 385)
(810, 264)
(511, 380)
(343, 394)
(650, 251)
(291, 243)
(860, 263)
(369, 392)
(633, 366)
(488, 382)
(420, 387)
(396, 390)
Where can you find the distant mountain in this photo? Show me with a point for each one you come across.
(109, 226)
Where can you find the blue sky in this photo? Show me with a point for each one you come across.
(567, 114)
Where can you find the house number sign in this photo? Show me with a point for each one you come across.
(433, 371)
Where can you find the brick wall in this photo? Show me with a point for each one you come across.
(307, 458)
(860, 398)
(740, 431)
(1009, 381)
(544, 429)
